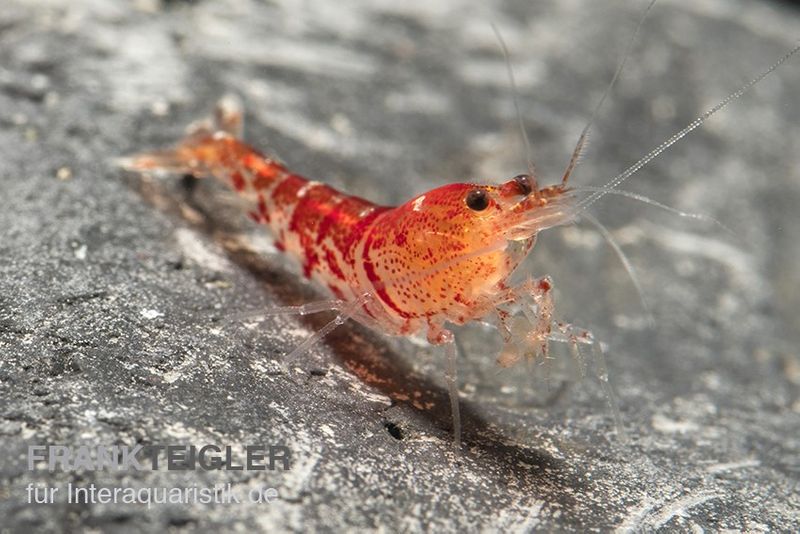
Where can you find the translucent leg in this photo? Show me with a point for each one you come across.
(303, 309)
(312, 339)
(547, 369)
(540, 315)
(451, 374)
(602, 375)
(574, 337)
(346, 311)
(566, 333)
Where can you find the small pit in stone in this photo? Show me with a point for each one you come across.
(395, 431)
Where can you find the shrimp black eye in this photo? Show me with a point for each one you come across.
(477, 200)
(524, 184)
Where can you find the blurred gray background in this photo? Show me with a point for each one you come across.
(115, 290)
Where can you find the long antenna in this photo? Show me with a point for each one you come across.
(657, 151)
(576, 154)
(526, 144)
(626, 263)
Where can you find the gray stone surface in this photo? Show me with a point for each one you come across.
(115, 291)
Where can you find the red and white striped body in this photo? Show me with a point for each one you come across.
(432, 260)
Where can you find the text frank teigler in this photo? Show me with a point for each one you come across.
(208, 457)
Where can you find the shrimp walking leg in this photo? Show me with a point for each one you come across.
(438, 335)
(303, 309)
(576, 337)
(527, 333)
(347, 311)
(314, 338)
(451, 374)
(601, 369)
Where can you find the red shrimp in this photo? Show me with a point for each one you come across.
(444, 257)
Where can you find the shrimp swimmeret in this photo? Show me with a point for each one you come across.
(444, 257)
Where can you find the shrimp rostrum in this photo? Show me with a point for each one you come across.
(442, 258)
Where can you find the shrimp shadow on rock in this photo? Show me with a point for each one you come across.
(419, 404)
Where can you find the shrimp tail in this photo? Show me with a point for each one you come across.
(213, 147)
(203, 144)
(167, 161)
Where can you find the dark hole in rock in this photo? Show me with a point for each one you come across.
(189, 182)
(393, 430)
